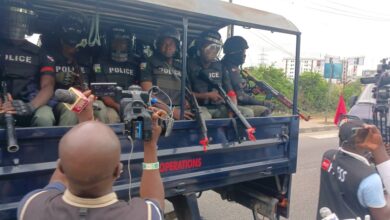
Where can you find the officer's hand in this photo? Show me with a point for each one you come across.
(269, 105)
(369, 138)
(87, 113)
(187, 114)
(66, 78)
(156, 128)
(7, 107)
(23, 108)
(214, 96)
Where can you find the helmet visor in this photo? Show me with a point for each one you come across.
(211, 51)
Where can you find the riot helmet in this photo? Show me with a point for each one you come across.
(16, 19)
(121, 42)
(72, 28)
(235, 50)
(209, 45)
(167, 36)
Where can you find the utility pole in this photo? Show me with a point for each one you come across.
(330, 86)
(262, 58)
(230, 29)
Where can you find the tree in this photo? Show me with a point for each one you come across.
(313, 92)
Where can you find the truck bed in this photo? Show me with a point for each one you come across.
(184, 166)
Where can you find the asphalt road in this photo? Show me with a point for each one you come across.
(305, 184)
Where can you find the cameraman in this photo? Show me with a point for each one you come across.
(350, 186)
(82, 185)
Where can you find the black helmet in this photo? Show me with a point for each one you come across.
(210, 36)
(16, 18)
(235, 44)
(167, 31)
(72, 27)
(120, 32)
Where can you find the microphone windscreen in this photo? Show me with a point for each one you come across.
(63, 95)
(325, 211)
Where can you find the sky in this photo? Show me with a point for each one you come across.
(347, 28)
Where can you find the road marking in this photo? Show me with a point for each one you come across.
(322, 136)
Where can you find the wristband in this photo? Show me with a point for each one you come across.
(231, 94)
(384, 173)
(151, 166)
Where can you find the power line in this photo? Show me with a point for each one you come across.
(270, 42)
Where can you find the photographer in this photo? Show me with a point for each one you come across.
(350, 186)
(82, 185)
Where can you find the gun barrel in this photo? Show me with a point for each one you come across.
(12, 143)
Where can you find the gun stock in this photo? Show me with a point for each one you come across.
(12, 143)
(198, 115)
(270, 91)
(249, 129)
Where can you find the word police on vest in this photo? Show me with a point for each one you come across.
(73, 99)
(213, 75)
(17, 58)
(120, 70)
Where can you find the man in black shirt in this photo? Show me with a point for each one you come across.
(26, 68)
(120, 67)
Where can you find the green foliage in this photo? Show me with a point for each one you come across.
(313, 92)
(277, 79)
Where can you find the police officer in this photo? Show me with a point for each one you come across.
(121, 66)
(204, 70)
(164, 70)
(72, 67)
(26, 68)
(235, 53)
(351, 186)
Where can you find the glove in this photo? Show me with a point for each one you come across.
(22, 108)
(66, 78)
(269, 105)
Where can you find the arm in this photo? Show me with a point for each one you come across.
(381, 213)
(151, 184)
(45, 93)
(110, 102)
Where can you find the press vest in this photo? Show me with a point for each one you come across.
(341, 176)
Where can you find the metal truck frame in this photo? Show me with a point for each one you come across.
(256, 174)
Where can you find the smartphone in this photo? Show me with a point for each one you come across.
(360, 132)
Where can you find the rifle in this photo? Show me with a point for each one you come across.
(12, 143)
(201, 121)
(269, 91)
(249, 129)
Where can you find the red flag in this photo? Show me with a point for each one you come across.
(341, 110)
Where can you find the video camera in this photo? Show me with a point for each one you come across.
(134, 111)
(381, 92)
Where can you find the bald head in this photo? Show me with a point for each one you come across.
(90, 155)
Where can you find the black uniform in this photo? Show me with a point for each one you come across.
(124, 74)
(81, 66)
(341, 176)
(166, 77)
(22, 66)
(201, 78)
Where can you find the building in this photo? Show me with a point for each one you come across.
(306, 65)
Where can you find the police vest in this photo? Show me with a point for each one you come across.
(123, 73)
(21, 66)
(341, 176)
(168, 78)
(80, 66)
(204, 79)
(236, 80)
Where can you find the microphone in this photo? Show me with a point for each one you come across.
(326, 214)
(72, 98)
